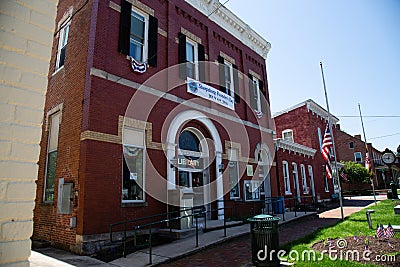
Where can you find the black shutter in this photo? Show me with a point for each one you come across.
(221, 74)
(153, 41)
(236, 83)
(201, 55)
(252, 93)
(182, 56)
(125, 27)
(263, 99)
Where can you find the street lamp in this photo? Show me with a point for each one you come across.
(388, 158)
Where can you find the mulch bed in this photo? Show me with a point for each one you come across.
(380, 250)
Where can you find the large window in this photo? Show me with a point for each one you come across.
(234, 174)
(138, 35)
(358, 157)
(51, 161)
(286, 178)
(311, 177)
(133, 167)
(304, 179)
(62, 44)
(296, 179)
(229, 82)
(191, 59)
(251, 190)
(255, 94)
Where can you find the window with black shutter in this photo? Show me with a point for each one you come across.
(229, 78)
(138, 34)
(191, 59)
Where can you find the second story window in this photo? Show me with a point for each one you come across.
(192, 67)
(229, 78)
(62, 44)
(351, 145)
(191, 54)
(287, 135)
(138, 34)
(257, 94)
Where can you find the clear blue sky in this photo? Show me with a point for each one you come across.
(358, 42)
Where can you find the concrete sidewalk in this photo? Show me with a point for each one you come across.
(183, 247)
(49, 257)
(352, 205)
(180, 248)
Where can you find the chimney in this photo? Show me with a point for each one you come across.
(357, 136)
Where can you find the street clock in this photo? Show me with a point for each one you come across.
(388, 158)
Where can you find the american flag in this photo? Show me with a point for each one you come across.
(137, 66)
(344, 176)
(367, 162)
(389, 231)
(328, 171)
(326, 144)
(259, 114)
(380, 232)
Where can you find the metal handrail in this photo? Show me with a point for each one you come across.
(196, 213)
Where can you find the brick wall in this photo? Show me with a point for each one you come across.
(65, 87)
(26, 40)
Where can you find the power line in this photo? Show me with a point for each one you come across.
(215, 10)
(377, 137)
(371, 116)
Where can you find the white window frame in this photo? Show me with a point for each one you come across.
(233, 155)
(231, 85)
(195, 55)
(291, 139)
(256, 83)
(146, 33)
(304, 179)
(295, 172)
(50, 122)
(286, 177)
(254, 186)
(134, 138)
(62, 42)
(311, 177)
(326, 183)
(320, 139)
(355, 157)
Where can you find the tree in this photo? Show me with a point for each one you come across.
(356, 173)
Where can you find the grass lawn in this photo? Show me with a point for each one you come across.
(356, 224)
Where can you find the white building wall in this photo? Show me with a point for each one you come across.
(26, 37)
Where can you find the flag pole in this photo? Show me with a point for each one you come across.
(333, 144)
(367, 152)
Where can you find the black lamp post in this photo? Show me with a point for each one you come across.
(389, 158)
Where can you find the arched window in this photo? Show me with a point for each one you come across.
(189, 141)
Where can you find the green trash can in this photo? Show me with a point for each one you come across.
(264, 238)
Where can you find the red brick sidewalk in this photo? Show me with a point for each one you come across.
(237, 252)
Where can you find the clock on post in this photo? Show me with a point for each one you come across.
(388, 158)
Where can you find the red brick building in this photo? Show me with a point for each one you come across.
(304, 125)
(352, 148)
(123, 139)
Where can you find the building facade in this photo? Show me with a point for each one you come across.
(151, 105)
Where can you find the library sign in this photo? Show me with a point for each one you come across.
(207, 92)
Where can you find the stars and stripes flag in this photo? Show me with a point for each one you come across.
(138, 66)
(389, 231)
(368, 162)
(328, 170)
(344, 176)
(326, 144)
(380, 232)
(259, 114)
